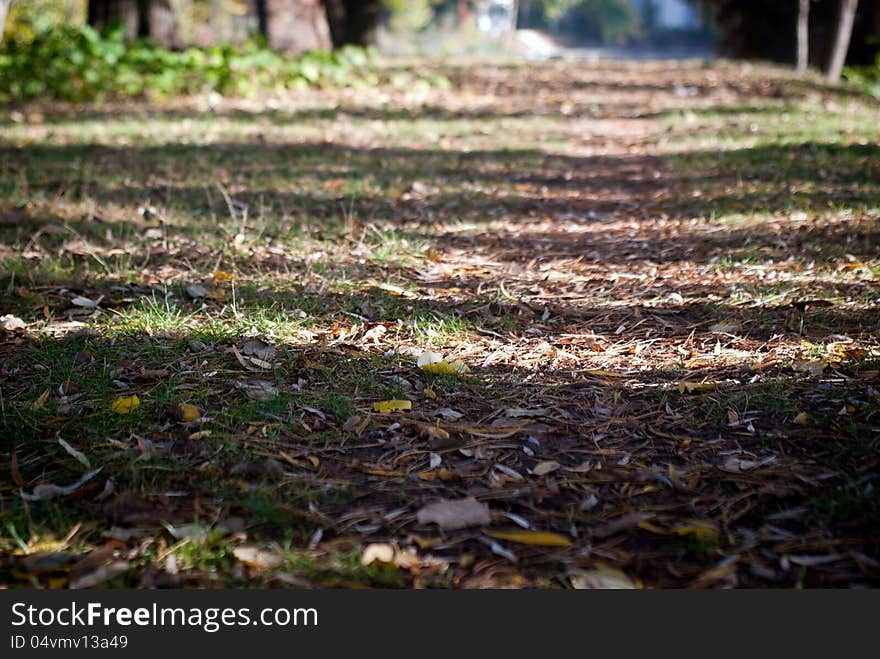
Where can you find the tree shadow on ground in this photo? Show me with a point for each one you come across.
(315, 182)
(279, 469)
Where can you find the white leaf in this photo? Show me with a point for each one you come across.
(11, 323)
(455, 514)
(78, 455)
(429, 357)
(86, 302)
(738, 465)
(50, 490)
(507, 471)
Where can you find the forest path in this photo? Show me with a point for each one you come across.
(661, 279)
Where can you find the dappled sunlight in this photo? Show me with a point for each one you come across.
(664, 291)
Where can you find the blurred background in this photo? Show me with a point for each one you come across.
(535, 28)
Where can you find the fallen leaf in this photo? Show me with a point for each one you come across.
(377, 553)
(99, 576)
(518, 412)
(604, 374)
(51, 491)
(196, 291)
(258, 348)
(725, 328)
(433, 362)
(126, 404)
(79, 456)
(352, 423)
(221, 276)
(37, 404)
(439, 368)
(12, 323)
(696, 387)
(601, 578)
(455, 514)
(386, 406)
(700, 531)
(188, 412)
(259, 389)
(736, 465)
(545, 467)
(812, 367)
(257, 557)
(536, 538)
(85, 302)
(802, 418)
(449, 414)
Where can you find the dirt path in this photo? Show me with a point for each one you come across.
(662, 279)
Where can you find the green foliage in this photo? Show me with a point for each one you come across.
(78, 63)
(408, 15)
(27, 19)
(867, 78)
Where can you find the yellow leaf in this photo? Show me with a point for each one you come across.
(314, 460)
(201, 434)
(695, 387)
(221, 276)
(813, 367)
(386, 406)
(459, 366)
(537, 538)
(604, 374)
(440, 368)
(802, 419)
(700, 531)
(125, 405)
(394, 290)
(545, 467)
(189, 412)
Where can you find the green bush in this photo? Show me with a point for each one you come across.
(866, 78)
(79, 63)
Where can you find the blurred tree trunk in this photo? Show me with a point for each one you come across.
(297, 25)
(141, 18)
(845, 17)
(4, 10)
(803, 35)
(353, 22)
(263, 18)
(104, 13)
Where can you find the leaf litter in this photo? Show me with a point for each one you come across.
(654, 399)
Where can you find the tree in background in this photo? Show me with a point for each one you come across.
(262, 18)
(803, 35)
(141, 18)
(295, 26)
(842, 36)
(838, 31)
(4, 11)
(353, 22)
